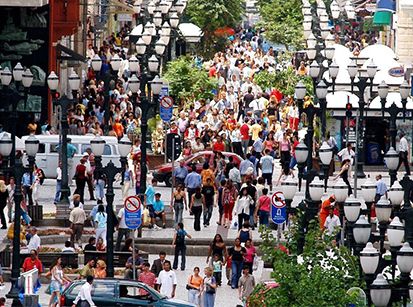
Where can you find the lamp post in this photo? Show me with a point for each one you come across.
(392, 161)
(326, 154)
(17, 169)
(64, 103)
(351, 207)
(289, 188)
(365, 79)
(109, 171)
(301, 154)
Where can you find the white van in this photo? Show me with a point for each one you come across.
(47, 157)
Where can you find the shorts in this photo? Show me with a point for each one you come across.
(155, 215)
(151, 211)
(267, 177)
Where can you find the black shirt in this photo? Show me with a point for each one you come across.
(209, 193)
(247, 99)
(90, 247)
(237, 255)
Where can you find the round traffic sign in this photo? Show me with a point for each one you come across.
(132, 204)
(167, 102)
(278, 200)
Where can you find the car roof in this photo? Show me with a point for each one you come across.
(209, 152)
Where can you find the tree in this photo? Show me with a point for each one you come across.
(320, 276)
(187, 82)
(282, 21)
(211, 15)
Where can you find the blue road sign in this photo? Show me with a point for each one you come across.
(166, 108)
(278, 215)
(133, 212)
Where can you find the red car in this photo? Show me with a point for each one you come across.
(163, 173)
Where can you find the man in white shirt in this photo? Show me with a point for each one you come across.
(404, 153)
(167, 280)
(332, 223)
(34, 243)
(58, 183)
(123, 230)
(85, 294)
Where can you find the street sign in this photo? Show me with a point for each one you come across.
(278, 208)
(173, 146)
(166, 108)
(133, 212)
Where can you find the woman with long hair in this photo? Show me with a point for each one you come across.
(209, 287)
(194, 285)
(345, 166)
(178, 202)
(59, 279)
(217, 247)
(197, 203)
(100, 270)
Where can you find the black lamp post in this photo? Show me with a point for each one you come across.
(109, 171)
(64, 102)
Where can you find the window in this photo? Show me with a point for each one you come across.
(76, 289)
(42, 148)
(54, 147)
(135, 292)
(103, 289)
(107, 151)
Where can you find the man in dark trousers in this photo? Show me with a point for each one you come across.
(157, 265)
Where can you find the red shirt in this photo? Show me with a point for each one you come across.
(264, 203)
(245, 132)
(30, 264)
(218, 146)
(148, 278)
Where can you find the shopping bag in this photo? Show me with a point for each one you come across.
(146, 217)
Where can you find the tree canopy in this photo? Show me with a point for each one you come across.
(187, 82)
(282, 21)
(211, 15)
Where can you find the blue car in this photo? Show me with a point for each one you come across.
(119, 292)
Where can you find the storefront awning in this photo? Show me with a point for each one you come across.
(64, 53)
(382, 18)
(118, 7)
(24, 3)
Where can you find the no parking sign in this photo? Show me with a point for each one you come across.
(133, 212)
(278, 208)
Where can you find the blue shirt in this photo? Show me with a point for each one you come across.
(381, 187)
(101, 219)
(26, 180)
(158, 205)
(150, 195)
(258, 145)
(71, 150)
(180, 172)
(244, 165)
(193, 180)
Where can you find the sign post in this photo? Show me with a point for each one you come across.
(133, 220)
(278, 211)
(166, 108)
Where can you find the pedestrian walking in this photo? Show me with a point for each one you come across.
(219, 201)
(179, 203)
(245, 232)
(58, 183)
(381, 188)
(250, 254)
(229, 195)
(192, 182)
(58, 281)
(11, 187)
(242, 207)
(347, 154)
(344, 174)
(157, 265)
(127, 182)
(180, 173)
(236, 253)
(217, 267)
(180, 247)
(84, 296)
(217, 247)
(246, 285)
(147, 277)
(404, 153)
(27, 182)
(150, 199)
(193, 286)
(77, 220)
(209, 287)
(267, 168)
(197, 203)
(262, 210)
(208, 190)
(81, 178)
(101, 223)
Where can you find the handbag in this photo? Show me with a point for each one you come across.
(210, 290)
(188, 286)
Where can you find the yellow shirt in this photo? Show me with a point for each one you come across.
(255, 129)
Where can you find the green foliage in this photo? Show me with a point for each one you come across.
(283, 22)
(284, 81)
(187, 82)
(211, 15)
(320, 276)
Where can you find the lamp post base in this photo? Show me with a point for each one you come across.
(360, 171)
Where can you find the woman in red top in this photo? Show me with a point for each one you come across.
(81, 178)
(187, 150)
(229, 194)
(263, 208)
